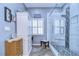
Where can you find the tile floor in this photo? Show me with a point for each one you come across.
(40, 51)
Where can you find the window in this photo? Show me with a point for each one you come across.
(35, 23)
(37, 26)
(59, 26)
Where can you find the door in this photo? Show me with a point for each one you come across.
(22, 29)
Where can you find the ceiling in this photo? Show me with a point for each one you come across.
(47, 5)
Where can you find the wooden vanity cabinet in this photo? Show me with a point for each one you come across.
(14, 48)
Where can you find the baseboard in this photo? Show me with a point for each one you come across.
(54, 51)
(30, 50)
(36, 44)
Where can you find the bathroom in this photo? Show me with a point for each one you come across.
(55, 22)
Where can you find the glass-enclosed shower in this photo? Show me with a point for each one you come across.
(58, 27)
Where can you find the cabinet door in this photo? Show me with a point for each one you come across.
(10, 49)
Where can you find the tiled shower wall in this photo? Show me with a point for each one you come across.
(74, 27)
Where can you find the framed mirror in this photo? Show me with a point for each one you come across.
(7, 14)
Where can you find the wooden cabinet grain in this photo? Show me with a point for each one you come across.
(14, 48)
